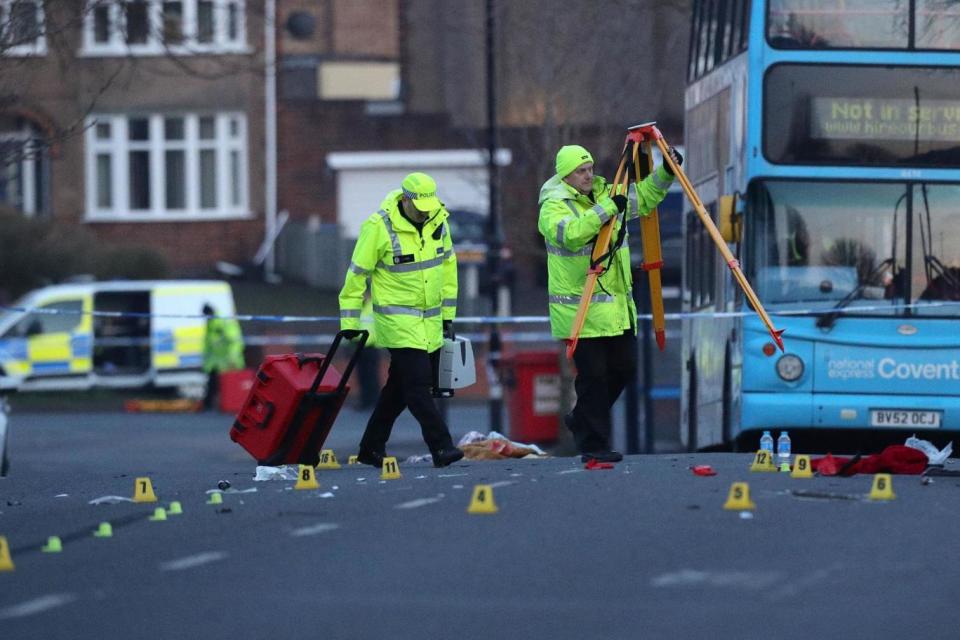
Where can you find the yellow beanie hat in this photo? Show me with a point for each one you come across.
(570, 157)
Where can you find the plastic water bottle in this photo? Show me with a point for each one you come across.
(783, 448)
(766, 444)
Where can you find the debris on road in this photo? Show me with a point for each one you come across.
(593, 465)
(110, 500)
(896, 458)
(496, 446)
(285, 472)
(934, 456)
(825, 495)
(703, 470)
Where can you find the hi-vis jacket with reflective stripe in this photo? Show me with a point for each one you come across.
(569, 222)
(222, 345)
(413, 278)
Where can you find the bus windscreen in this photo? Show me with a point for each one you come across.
(866, 116)
(819, 245)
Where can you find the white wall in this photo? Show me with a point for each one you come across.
(364, 178)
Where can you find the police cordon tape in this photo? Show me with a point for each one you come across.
(523, 336)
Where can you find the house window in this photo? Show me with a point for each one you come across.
(161, 167)
(24, 172)
(21, 28)
(173, 32)
(156, 27)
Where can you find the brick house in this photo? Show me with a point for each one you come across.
(142, 121)
(148, 121)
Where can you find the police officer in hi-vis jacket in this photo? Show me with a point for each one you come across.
(406, 253)
(574, 204)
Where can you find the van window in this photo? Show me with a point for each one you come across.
(66, 318)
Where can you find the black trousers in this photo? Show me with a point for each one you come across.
(213, 389)
(604, 366)
(409, 385)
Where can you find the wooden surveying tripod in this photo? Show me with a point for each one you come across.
(647, 134)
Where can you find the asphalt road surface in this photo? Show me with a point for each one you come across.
(644, 550)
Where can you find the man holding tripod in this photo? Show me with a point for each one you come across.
(574, 205)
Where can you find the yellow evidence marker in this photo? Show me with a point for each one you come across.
(215, 498)
(6, 562)
(802, 467)
(482, 500)
(762, 461)
(739, 498)
(352, 460)
(54, 545)
(159, 514)
(105, 530)
(143, 490)
(307, 478)
(390, 469)
(175, 508)
(882, 488)
(328, 460)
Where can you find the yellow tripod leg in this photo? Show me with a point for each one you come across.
(652, 253)
(718, 239)
(600, 247)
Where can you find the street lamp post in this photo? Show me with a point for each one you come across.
(494, 236)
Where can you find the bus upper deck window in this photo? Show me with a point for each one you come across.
(828, 24)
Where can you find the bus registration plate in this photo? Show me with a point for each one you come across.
(905, 418)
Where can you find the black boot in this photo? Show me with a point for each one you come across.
(372, 458)
(446, 457)
(602, 456)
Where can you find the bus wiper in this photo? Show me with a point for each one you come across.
(827, 320)
(941, 280)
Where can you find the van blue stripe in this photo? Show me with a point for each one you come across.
(163, 341)
(13, 349)
(191, 361)
(81, 345)
(62, 366)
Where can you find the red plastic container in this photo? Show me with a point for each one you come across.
(234, 388)
(534, 396)
(292, 406)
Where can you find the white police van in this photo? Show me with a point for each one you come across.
(118, 334)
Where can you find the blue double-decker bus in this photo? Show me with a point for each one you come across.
(824, 138)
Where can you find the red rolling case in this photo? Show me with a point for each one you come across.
(292, 405)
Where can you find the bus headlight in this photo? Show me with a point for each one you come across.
(790, 367)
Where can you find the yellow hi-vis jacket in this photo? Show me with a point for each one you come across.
(413, 278)
(569, 222)
(222, 345)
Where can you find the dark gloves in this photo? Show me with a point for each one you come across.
(621, 201)
(676, 158)
(448, 330)
(353, 335)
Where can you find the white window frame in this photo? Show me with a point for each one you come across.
(30, 150)
(118, 147)
(36, 48)
(116, 45)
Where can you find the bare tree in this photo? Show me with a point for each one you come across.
(565, 73)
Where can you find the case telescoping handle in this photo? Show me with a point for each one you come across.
(364, 334)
